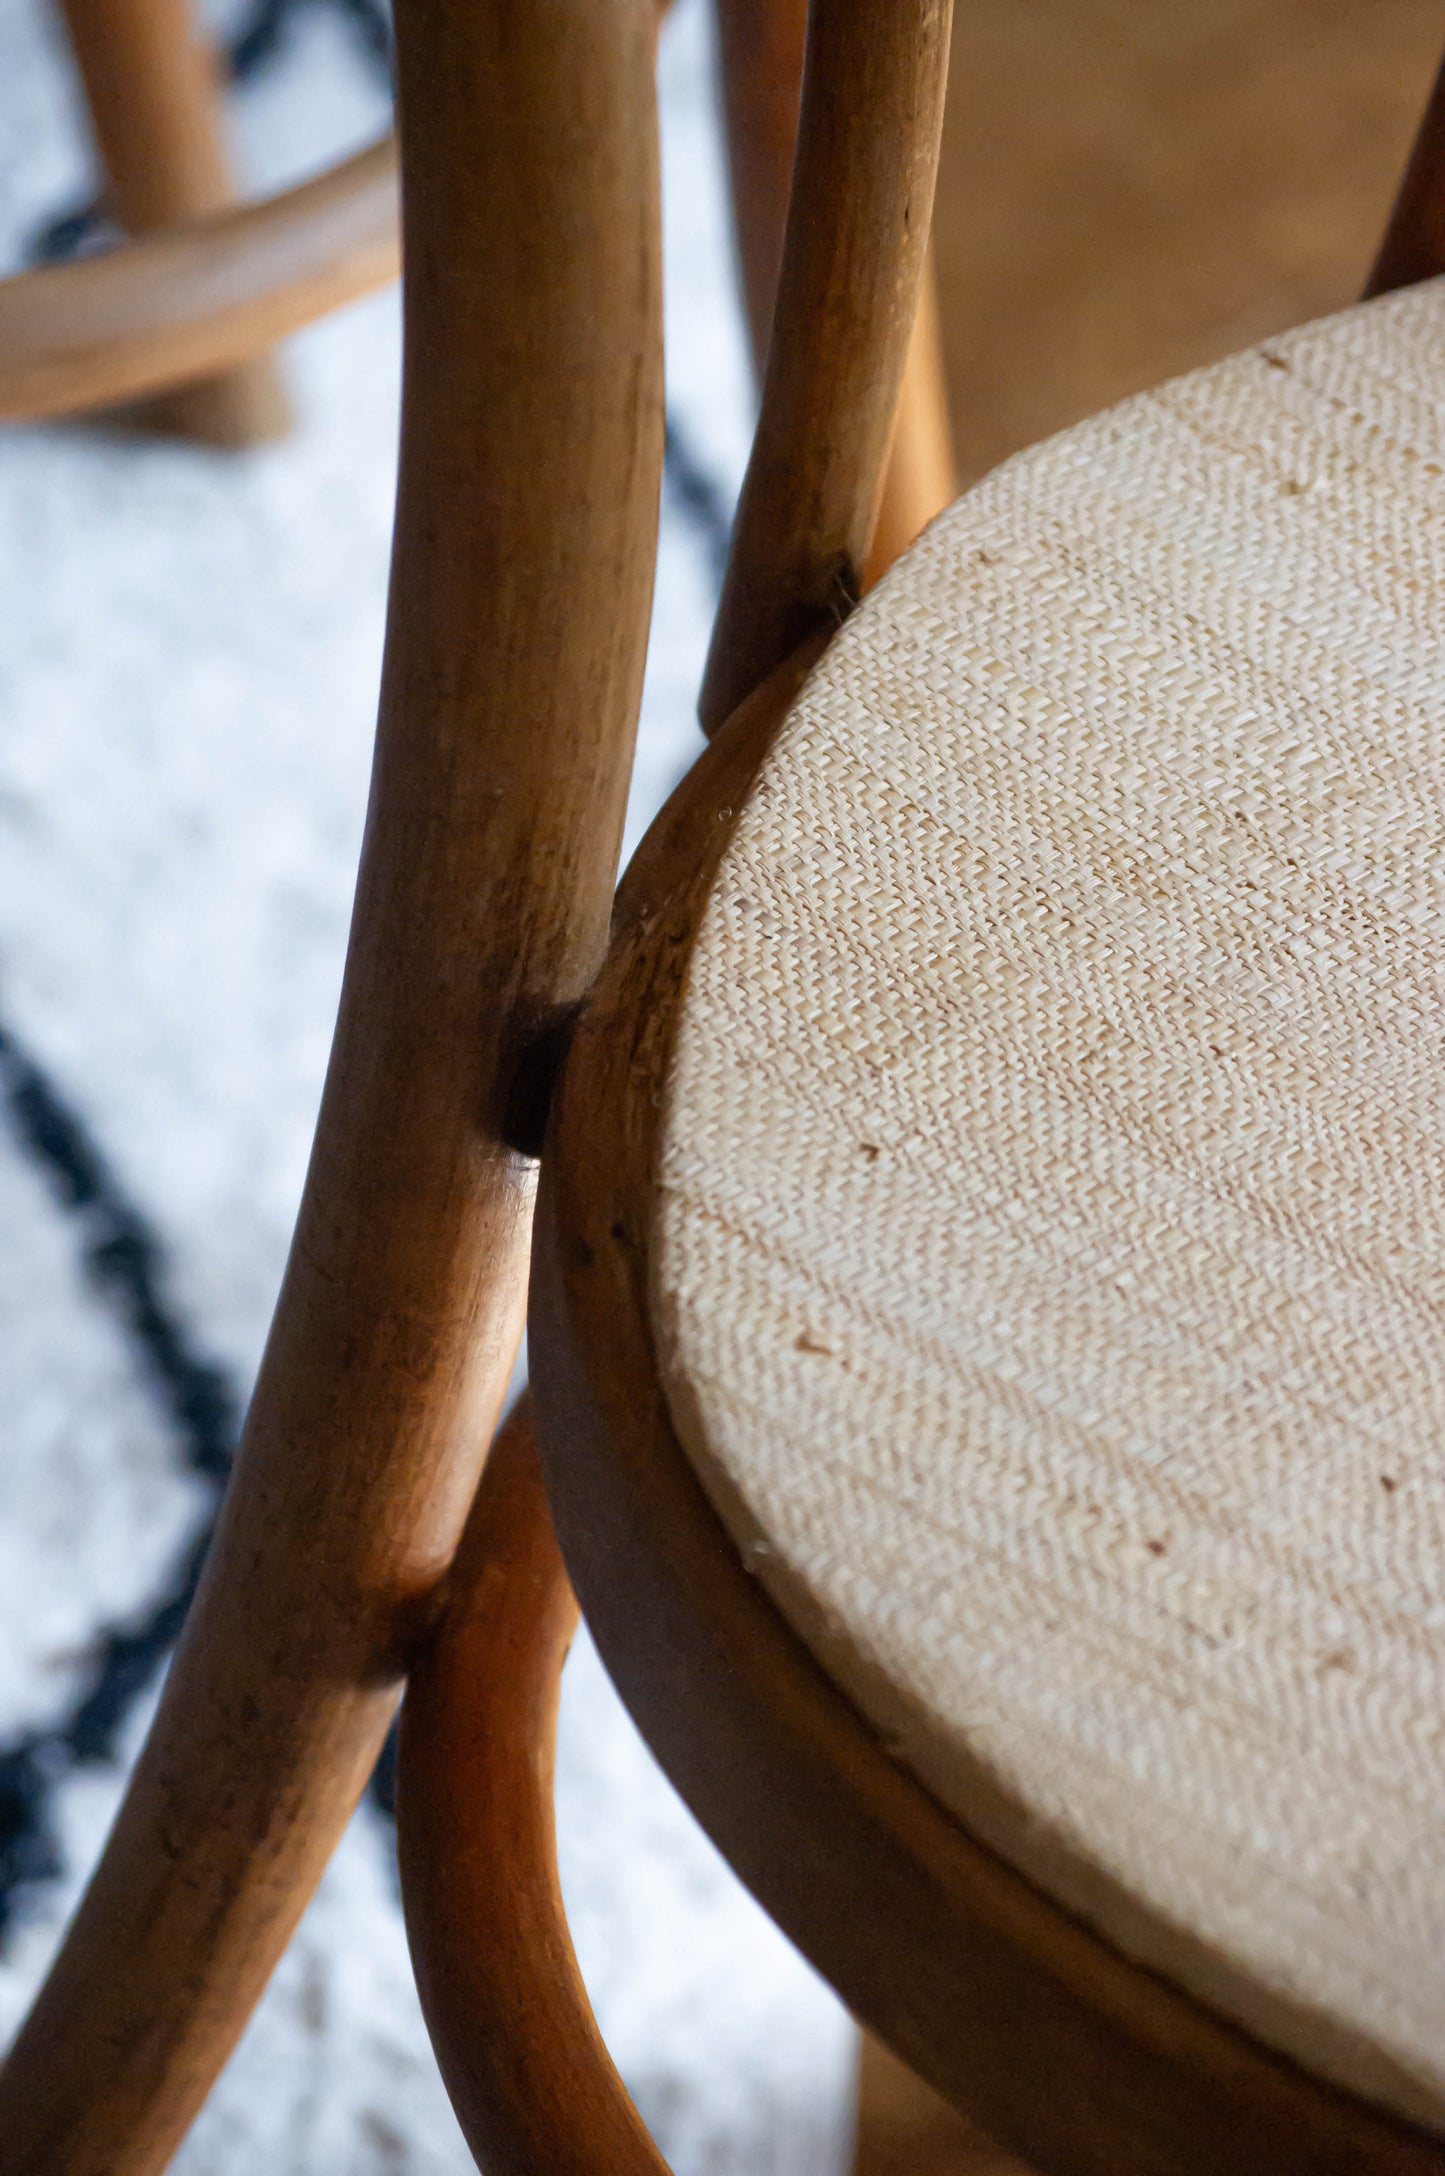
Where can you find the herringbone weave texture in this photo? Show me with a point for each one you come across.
(1050, 1246)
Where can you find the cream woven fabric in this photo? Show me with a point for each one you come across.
(1050, 1240)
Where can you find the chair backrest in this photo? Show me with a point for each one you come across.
(760, 47)
(517, 622)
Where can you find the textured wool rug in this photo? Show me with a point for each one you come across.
(187, 682)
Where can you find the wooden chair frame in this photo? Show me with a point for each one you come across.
(522, 572)
(1062, 2047)
(760, 49)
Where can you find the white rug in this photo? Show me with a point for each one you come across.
(187, 682)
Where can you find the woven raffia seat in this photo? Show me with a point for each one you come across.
(1049, 1250)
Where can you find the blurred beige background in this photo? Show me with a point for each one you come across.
(1131, 187)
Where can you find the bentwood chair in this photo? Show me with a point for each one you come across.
(201, 287)
(985, 1316)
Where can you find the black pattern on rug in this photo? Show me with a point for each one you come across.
(124, 1262)
(698, 496)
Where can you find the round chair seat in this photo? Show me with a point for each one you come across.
(1049, 1246)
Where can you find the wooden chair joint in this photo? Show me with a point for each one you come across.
(527, 1086)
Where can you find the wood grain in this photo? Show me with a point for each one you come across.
(154, 98)
(522, 573)
(761, 44)
(921, 477)
(1062, 2049)
(853, 260)
(194, 299)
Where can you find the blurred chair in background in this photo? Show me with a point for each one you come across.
(188, 305)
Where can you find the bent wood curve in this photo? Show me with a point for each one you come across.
(760, 54)
(1058, 2045)
(521, 579)
(187, 301)
(853, 260)
(529, 2076)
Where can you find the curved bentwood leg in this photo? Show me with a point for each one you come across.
(533, 2086)
(522, 575)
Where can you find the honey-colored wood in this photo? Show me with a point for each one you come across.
(761, 45)
(514, 654)
(1414, 244)
(904, 2128)
(853, 261)
(522, 572)
(150, 84)
(1061, 2048)
(532, 2084)
(187, 301)
(921, 477)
